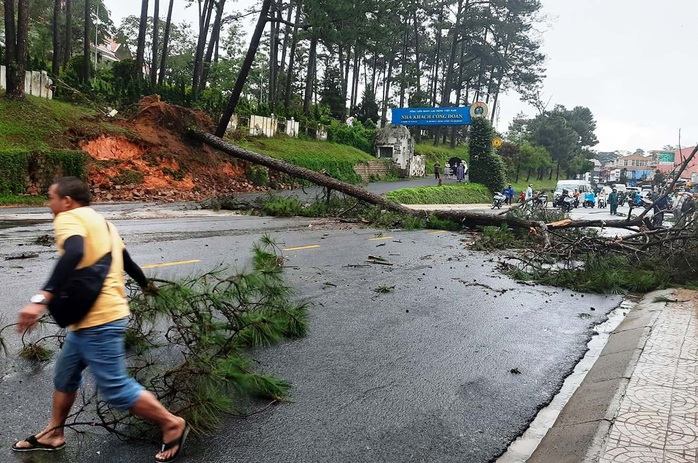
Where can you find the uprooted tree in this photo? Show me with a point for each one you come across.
(467, 218)
(578, 244)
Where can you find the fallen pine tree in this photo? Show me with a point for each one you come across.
(466, 218)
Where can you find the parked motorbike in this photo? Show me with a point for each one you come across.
(498, 200)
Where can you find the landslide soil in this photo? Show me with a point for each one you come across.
(152, 159)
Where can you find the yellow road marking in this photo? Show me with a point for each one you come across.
(299, 248)
(381, 238)
(167, 264)
(436, 231)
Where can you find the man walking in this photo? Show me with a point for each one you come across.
(83, 237)
(437, 171)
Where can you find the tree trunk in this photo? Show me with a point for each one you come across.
(244, 70)
(86, 43)
(356, 70)
(140, 48)
(215, 35)
(416, 56)
(284, 48)
(68, 44)
(292, 57)
(310, 78)
(165, 45)
(274, 55)
(403, 67)
(15, 47)
(156, 36)
(56, 57)
(10, 38)
(386, 92)
(345, 81)
(467, 218)
(204, 24)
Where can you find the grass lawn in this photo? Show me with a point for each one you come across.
(23, 200)
(38, 124)
(459, 193)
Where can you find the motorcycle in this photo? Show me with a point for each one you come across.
(602, 202)
(569, 202)
(589, 200)
(498, 200)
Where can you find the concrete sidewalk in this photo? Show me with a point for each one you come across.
(639, 402)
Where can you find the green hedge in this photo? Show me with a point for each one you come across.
(18, 170)
(14, 173)
(463, 193)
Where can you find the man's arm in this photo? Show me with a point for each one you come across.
(74, 248)
(135, 272)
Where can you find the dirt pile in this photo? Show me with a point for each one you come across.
(152, 159)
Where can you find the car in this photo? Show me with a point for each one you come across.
(646, 191)
(632, 189)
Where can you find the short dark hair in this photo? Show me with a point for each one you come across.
(73, 187)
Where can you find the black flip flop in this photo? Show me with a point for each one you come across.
(180, 441)
(36, 445)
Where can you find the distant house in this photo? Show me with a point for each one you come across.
(110, 51)
(635, 167)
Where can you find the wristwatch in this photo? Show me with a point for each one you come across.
(38, 299)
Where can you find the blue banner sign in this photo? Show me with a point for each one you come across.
(459, 115)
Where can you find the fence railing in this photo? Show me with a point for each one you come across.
(36, 83)
(270, 126)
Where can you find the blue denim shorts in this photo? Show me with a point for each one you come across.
(102, 349)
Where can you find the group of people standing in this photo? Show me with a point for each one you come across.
(460, 172)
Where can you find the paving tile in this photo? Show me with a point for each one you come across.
(665, 341)
(656, 375)
(682, 437)
(687, 364)
(685, 378)
(633, 454)
(647, 398)
(642, 428)
(684, 402)
(656, 358)
(677, 457)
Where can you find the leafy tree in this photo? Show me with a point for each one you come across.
(368, 108)
(331, 93)
(486, 167)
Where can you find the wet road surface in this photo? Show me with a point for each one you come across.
(449, 366)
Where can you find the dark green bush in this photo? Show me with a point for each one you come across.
(357, 135)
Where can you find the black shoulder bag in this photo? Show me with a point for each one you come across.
(74, 299)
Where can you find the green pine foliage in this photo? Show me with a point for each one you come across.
(486, 167)
(189, 343)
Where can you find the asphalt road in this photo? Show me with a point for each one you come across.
(419, 374)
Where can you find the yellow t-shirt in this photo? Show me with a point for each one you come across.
(111, 304)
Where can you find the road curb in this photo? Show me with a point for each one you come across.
(581, 429)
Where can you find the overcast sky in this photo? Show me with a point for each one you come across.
(629, 61)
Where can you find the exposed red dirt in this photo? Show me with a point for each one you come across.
(155, 161)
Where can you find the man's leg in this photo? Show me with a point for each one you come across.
(149, 408)
(106, 358)
(66, 381)
(53, 433)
